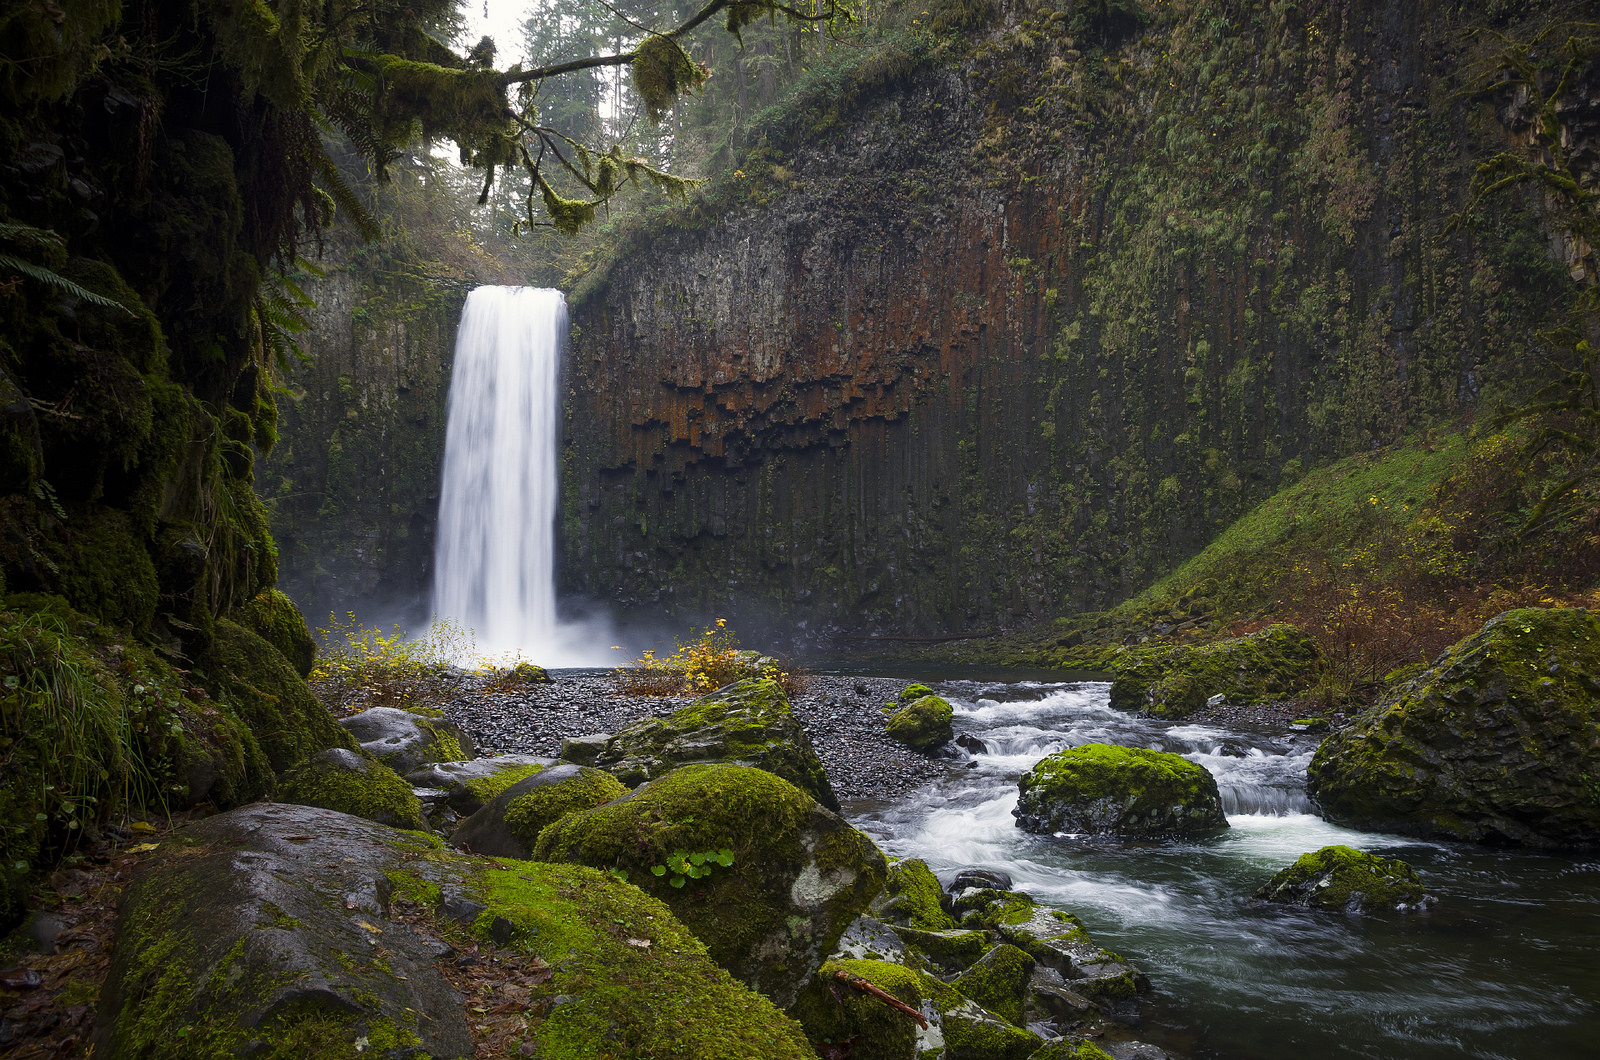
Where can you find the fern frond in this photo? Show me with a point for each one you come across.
(349, 204)
(60, 283)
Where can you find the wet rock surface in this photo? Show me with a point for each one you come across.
(842, 717)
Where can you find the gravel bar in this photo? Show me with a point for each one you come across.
(841, 715)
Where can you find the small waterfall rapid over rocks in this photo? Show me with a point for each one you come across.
(494, 561)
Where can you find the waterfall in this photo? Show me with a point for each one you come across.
(494, 560)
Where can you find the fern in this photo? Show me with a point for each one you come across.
(41, 237)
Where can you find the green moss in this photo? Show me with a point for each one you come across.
(1106, 789)
(529, 814)
(922, 724)
(831, 1011)
(351, 783)
(749, 722)
(953, 948)
(913, 692)
(744, 913)
(103, 568)
(999, 981)
(986, 1039)
(1071, 1049)
(259, 685)
(640, 983)
(483, 789)
(989, 908)
(1341, 879)
(94, 724)
(1274, 663)
(275, 618)
(911, 896)
(1497, 741)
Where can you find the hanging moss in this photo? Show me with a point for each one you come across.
(663, 71)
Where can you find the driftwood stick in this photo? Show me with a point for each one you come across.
(888, 999)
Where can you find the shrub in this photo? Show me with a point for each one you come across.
(709, 661)
(362, 666)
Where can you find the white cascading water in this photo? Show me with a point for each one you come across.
(494, 560)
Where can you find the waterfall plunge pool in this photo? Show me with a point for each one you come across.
(1505, 965)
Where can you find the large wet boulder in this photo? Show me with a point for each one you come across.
(767, 877)
(257, 932)
(1343, 879)
(1103, 789)
(922, 724)
(749, 723)
(408, 740)
(1174, 681)
(466, 786)
(509, 824)
(1499, 741)
(284, 932)
(350, 782)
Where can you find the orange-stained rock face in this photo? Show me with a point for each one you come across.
(1025, 331)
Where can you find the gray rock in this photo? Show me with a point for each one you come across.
(583, 750)
(459, 780)
(270, 923)
(406, 741)
(1000, 881)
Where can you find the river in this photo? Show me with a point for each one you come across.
(1505, 965)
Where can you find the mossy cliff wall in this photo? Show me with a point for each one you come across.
(353, 488)
(1006, 324)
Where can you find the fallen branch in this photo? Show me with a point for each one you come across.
(888, 999)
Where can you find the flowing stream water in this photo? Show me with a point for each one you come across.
(494, 561)
(1506, 964)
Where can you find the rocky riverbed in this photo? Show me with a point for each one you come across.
(843, 717)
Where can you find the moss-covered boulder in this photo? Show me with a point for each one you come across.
(990, 907)
(1346, 880)
(287, 932)
(630, 980)
(1103, 789)
(950, 950)
(257, 684)
(1499, 741)
(1073, 971)
(468, 785)
(913, 692)
(999, 981)
(408, 740)
(1174, 681)
(350, 782)
(922, 724)
(508, 825)
(749, 723)
(834, 1008)
(273, 616)
(777, 877)
(912, 896)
